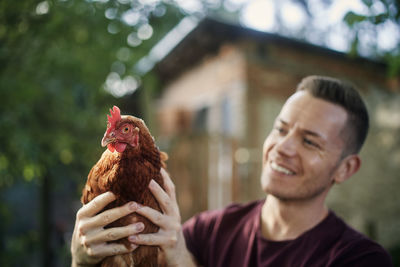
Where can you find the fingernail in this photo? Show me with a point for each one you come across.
(110, 194)
(133, 206)
(138, 226)
(133, 246)
(152, 183)
(133, 238)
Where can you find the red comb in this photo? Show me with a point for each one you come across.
(114, 118)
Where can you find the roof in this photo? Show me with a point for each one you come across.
(210, 34)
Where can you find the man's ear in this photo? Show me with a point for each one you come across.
(348, 166)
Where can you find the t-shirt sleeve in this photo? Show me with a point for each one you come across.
(197, 232)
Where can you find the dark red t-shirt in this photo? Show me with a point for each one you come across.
(232, 237)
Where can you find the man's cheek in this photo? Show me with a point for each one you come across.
(264, 153)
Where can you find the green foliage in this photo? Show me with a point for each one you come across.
(352, 18)
(371, 24)
(54, 58)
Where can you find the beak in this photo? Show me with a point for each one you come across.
(108, 139)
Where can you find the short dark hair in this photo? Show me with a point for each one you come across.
(345, 95)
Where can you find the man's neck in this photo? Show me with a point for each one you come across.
(287, 220)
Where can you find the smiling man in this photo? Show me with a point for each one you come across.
(314, 144)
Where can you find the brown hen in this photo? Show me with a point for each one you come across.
(126, 168)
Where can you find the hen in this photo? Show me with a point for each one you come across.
(126, 168)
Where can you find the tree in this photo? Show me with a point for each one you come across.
(381, 13)
(55, 56)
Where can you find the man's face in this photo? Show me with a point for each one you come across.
(303, 151)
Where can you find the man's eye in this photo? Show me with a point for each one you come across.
(310, 143)
(280, 130)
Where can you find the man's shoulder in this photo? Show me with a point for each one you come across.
(354, 247)
(351, 237)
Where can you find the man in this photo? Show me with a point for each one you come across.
(314, 144)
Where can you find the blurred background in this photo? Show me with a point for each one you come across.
(208, 77)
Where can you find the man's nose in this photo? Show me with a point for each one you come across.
(287, 145)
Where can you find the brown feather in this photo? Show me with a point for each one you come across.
(127, 175)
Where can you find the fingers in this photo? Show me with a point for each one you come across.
(107, 217)
(113, 234)
(168, 184)
(169, 237)
(170, 218)
(154, 239)
(104, 250)
(96, 205)
(167, 200)
(166, 203)
(90, 241)
(153, 215)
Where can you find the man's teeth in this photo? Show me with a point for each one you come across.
(278, 168)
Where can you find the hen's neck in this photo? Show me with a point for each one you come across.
(151, 155)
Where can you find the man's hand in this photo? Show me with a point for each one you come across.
(89, 240)
(170, 236)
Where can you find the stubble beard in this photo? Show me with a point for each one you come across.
(302, 193)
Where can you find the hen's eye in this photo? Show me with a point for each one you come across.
(125, 130)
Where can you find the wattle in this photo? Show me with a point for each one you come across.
(120, 147)
(111, 147)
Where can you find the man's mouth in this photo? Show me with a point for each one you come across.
(278, 168)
